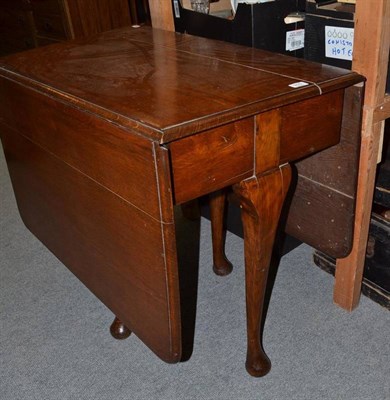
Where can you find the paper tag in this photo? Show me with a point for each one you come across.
(295, 40)
(296, 85)
(177, 8)
(339, 42)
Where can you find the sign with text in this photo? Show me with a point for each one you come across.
(339, 42)
(295, 40)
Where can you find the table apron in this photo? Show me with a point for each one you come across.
(219, 157)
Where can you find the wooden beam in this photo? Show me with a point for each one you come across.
(161, 14)
(349, 270)
(371, 52)
(371, 48)
(382, 111)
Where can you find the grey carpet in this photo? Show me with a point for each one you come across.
(54, 340)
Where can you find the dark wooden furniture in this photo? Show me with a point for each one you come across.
(25, 24)
(120, 128)
(321, 208)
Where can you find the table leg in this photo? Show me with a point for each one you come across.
(221, 265)
(261, 200)
(119, 330)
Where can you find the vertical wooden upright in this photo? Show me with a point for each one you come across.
(371, 55)
(161, 14)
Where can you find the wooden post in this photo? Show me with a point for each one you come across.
(161, 14)
(371, 54)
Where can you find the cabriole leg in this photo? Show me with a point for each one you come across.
(261, 201)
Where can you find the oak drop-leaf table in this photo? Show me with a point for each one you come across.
(105, 136)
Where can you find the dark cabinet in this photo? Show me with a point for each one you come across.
(25, 24)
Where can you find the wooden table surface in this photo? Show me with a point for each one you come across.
(105, 136)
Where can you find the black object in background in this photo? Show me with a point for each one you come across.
(256, 25)
(318, 16)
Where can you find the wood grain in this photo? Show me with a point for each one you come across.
(219, 158)
(323, 205)
(98, 236)
(318, 118)
(370, 58)
(268, 136)
(89, 17)
(113, 157)
(161, 15)
(261, 199)
(191, 100)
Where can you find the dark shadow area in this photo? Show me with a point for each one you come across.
(283, 243)
(187, 242)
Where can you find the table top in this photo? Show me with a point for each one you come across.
(165, 85)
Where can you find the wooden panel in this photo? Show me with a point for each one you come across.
(88, 17)
(337, 166)
(318, 118)
(321, 217)
(268, 129)
(113, 157)
(113, 247)
(219, 157)
(349, 271)
(323, 205)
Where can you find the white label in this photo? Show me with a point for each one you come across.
(176, 7)
(296, 85)
(339, 42)
(295, 40)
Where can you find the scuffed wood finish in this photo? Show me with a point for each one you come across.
(119, 330)
(370, 58)
(121, 127)
(261, 200)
